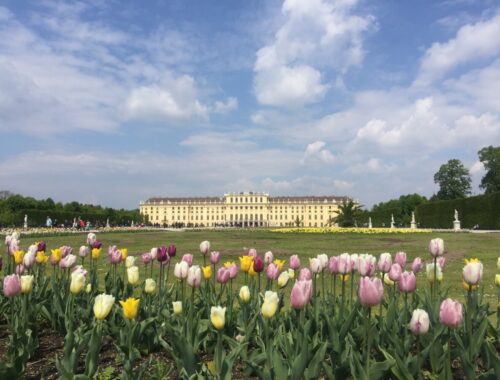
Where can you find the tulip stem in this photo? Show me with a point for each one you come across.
(334, 292)
(352, 289)
(368, 342)
(469, 321)
(343, 298)
(434, 283)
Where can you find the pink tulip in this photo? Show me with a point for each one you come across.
(68, 261)
(111, 249)
(20, 269)
(419, 323)
(214, 257)
(194, 276)
(272, 271)
(146, 258)
(252, 252)
(344, 263)
(315, 265)
(400, 258)
(204, 247)
(441, 261)
(333, 265)
(223, 275)
(436, 247)
(116, 256)
(417, 265)
(301, 294)
(268, 257)
(188, 258)
(450, 313)
(65, 251)
(83, 251)
(11, 285)
(29, 259)
(385, 262)
(407, 282)
(233, 271)
(473, 272)
(304, 274)
(91, 238)
(371, 291)
(366, 265)
(395, 272)
(79, 269)
(354, 261)
(294, 262)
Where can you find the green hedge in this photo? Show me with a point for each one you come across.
(382, 218)
(482, 210)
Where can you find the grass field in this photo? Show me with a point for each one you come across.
(234, 243)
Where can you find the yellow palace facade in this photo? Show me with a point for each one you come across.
(244, 209)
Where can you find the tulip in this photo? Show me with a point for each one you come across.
(33, 249)
(188, 258)
(270, 304)
(304, 274)
(172, 249)
(450, 313)
(41, 258)
(429, 269)
(204, 247)
(20, 269)
(218, 317)
(207, 272)
(245, 294)
(366, 265)
(77, 282)
(223, 275)
(354, 261)
(18, 257)
(280, 264)
(29, 259)
(323, 260)
(88, 288)
(272, 271)
(91, 238)
(153, 252)
(419, 323)
(400, 258)
(133, 275)
(441, 261)
(97, 244)
(497, 280)
(246, 262)
(41, 246)
(473, 272)
(130, 307)
(233, 271)
(258, 264)
(65, 250)
(161, 254)
(315, 265)
(177, 306)
(11, 285)
(129, 261)
(83, 251)
(194, 276)
(251, 271)
(124, 252)
(283, 279)
(291, 273)
(102, 305)
(68, 261)
(96, 252)
(344, 263)
(252, 252)
(294, 262)
(301, 294)
(371, 291)
(416, 266)
(407, 282)
(27, 284)
(115, 256)
(79, 269)
(181, 270)
(214, 257)
(436, 247)
(333, 265)
(388, 281)
(146, 258)
(385, 262)
(395, 272)
(268, 257)
(149, 286)
(13, 246)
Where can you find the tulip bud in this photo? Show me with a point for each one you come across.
(430, 272)
(252, 252)
(272, 271)
(129, 261)
(95, 253)
(177, 306)
(153, 252)
(233, 271)
(344, 263)
(223, 275)
(97, 244)
(124, 252)
(371, 291)
(146, 258)
(245, 294)
(65, 250)
(268, 257)
(77, 282)
(133, 275)
(400, 258)
(18, 256)
(270, 304)
(366, 265)
(207, 272)
(258, 264)
(214, 257)
(283, 279)
(385, 262)
(181, 270)
(450, 313)
(354, 261)
(218, 317)
(294, 262)
(161, 254)
(204, 247)
(194, 276)
(68, 261)
(473, 272)
(333, 265)
(301, 294)
(29, 259)
(41, 246)
(315, 265)
(323, 260)
(188, 258)
(419, 323)
(436, 247)
(115, 256)
(149, 286)
(83, 251)
(130, 307)
(172, 249)
(497, 280)
(407, 282)
(291, 273)
(102, 305)
(91, 238)
(88, 288)
(395, 272)
(304, 274)
(441, 261)
(26, 284)
(416, 266)
(11, 285)
(20, 269)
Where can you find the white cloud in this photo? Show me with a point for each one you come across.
(314, 34)
(315, 152)
(230, 104)
(476, 168)
(472, 42)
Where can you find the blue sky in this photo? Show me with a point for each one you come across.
(113, 102)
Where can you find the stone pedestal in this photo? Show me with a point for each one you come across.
(456, 225)
(413, 225)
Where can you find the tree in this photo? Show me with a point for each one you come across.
(490, 157)
(348, 212)
(454, 180)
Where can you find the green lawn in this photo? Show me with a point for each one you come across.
(234, 243)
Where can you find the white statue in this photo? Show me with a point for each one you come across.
(456, 222)
(25, 221)
(370, 222)
(107, 223)
(413, 217)
(456, 215)
(413, 224)
(392, 221)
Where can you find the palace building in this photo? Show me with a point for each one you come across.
(245, 209)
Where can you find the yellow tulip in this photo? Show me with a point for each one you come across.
(56, 255)
(88, 288)
(466, 286)
(280, 263)
(291, 273)
(251, 272)
(470, 261)
(345, 277)
(270, 304)
(18, 257)
(26, 284)
(149, 286)
(77, 282)
(227, 264)
(130, 307)
(177, 306)
(388, 281)
(218, 317)
(283, 279)
(102, 305)
(133, 275)
(244, 294)
(41, 257)
(497, 280)
(246, 263)
(124, 253)
(96, 252)
(207, 272)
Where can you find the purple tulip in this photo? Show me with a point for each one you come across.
(416, 266)
(371, 291)
(188, 258)
(400, 258)
(161, 254)
(304, 274)
(41, 246)
(11, 285)
(407, 282)
(272, 271)
(450, 313)
(395, 272)
(223, 275)
(146, 258)
(116, 256)
(301, 293)
(258, 264)
(172, 250)
(294, 262)
(214, 257)
(96, 244)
